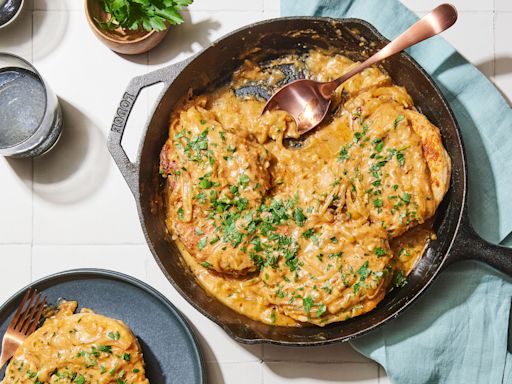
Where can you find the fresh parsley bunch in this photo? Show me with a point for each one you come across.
(146, 14)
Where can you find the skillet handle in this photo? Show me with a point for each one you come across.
(468, 245)
(129, 170)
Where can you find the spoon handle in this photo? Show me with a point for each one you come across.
(437, 21)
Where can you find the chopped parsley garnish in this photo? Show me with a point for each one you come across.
(377, 203)
(202, 243)
(244, 180)
(398, 120)
(195, 146)
(298, 216)
(378, 144)
(114, 335)
(321, 310)
(400, 158)
(308, 233)
(336, 255)
(206, 264)
(406, 198)
(308, 303)
(105, 348)
(399, 279)
(205, 183)
(380, 251)
(201, 197)
(180, 213)
(363, 271)
(343, 154)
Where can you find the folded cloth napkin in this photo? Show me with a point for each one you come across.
(457, 333)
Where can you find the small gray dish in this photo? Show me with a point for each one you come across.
(9, 11)
(170, 348)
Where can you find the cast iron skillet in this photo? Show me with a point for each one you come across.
(456, 238)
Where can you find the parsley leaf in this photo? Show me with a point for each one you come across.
(398, 120)
(309, 233)
(308, 303)
(142, 14)
(363, 271)
(399, 279)
(343, 154)
(202, 243)
(114, 335)
(321, 310)
(298, 216)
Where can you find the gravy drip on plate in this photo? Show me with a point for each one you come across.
(315, 231)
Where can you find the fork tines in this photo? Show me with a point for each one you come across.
(27, 317)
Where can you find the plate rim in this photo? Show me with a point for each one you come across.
(106, 273)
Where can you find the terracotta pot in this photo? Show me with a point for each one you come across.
(122, 41)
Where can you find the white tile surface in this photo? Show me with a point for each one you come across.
(303, 373)
(333, 353)
(16, 201)
(16, 37)
(231, 5)
(61, 5)
(503, 53)
(79, 195)
(72, 208)
(48, 259)
(462, 5)
(205, 27)
(224, 373)
(476, 44)
(17, 262)
(272, 5)
(503, 5)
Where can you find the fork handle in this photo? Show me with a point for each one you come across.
(438, 20)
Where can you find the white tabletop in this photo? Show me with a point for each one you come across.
(71, 208)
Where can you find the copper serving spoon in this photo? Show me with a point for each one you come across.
(308, 100)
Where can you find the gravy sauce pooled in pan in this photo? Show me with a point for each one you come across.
(312, 232)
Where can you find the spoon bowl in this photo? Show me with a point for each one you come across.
(308, 101)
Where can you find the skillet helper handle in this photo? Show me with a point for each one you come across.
(470, 246)
(128, 169)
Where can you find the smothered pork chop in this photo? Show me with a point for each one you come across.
(79, 348)
(302, 231)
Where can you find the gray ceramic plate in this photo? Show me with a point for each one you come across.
(169, 346)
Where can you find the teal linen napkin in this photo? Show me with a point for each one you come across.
(457, 333)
